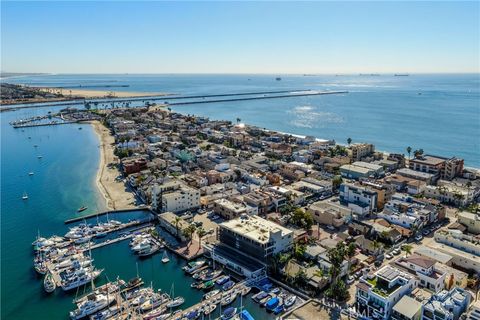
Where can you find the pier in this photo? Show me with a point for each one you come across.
(292, 95)
(99, 214)
(166, 98)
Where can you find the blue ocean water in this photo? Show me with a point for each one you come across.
(385, 110)
(438, 113)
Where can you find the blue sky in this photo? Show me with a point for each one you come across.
(240, 37)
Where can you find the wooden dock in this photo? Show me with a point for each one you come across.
(99, 214)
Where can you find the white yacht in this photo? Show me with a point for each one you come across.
(90, 306)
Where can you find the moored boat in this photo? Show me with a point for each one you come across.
(222, 280)
(82, 208)
(229, 313)
(49, 283)
(91, 306)
(176, 302)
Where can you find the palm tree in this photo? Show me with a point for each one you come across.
(176, 222)
(408, 249)
(349, 140)
(239, 120)
(188, 232)
(409, 151)
(200, 233)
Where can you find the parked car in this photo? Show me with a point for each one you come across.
(418, 237)
(396, 251)
(378, 263)
(210, 231)
(388, 256)
(350, 280)
(330, 227)
(215, 217)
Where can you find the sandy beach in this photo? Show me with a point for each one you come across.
(115, 192)
(87, 93)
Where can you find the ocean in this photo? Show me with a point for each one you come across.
(439, 113)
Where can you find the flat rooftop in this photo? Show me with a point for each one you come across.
(430, 160)
(255, 228)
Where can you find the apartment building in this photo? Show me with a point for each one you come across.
(175, 196)
(446, 305)
(254, 236)
(362, 200)
(361, 150)
(229, 209)
(377, 293)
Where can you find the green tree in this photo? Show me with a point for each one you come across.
(188, 232)
(201, 233)
(337, 181)
(408, 249)
(409, 151)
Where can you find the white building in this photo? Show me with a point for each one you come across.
(175, 197)
(458, 240)
(424, 268)
(358, 198)
(446, 305)
(255, 236)
(377, 294)
(469, 220)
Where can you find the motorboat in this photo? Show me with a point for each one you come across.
(155, 300)
(148, 251)
(80, 279)
(222, 280)
(209, 308)
(290, 301)
(245, 315)
(228, 299)
(211, 275)
(90, 306)
(49, 283)
(229, 313)
(246, 290)
(106, 314)
(193, 266)
(259, 296)
(165, 257)
(208, 285)
(210, 294)
(272, 303)
(228, 285)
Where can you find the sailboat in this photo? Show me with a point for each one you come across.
(165, 257)
(176, 301)
(25, 196)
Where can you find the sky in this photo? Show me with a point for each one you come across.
(240, 37)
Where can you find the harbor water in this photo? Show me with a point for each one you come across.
(439, 113)
(63, 181)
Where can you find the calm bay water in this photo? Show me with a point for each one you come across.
(385, 110)
(63, 180)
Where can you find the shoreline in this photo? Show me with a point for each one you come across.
(114, 192)
(92, 93)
